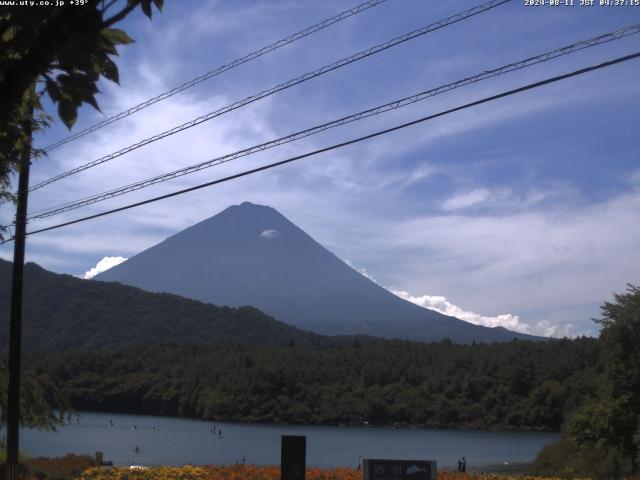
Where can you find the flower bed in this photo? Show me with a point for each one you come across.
(251, 472)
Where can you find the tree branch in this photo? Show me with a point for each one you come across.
(108, 6)
(120, 15)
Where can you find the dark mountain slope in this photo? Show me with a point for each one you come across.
(252, 255)
(62, 312)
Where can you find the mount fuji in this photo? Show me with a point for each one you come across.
(252, 255)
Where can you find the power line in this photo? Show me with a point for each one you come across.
(344, 144)
(283, 86)
(530, 61)
(221, 69)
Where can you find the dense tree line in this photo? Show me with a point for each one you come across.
(516, 385)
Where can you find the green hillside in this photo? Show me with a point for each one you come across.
(62, 312)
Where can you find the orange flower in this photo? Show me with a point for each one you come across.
(252, 472)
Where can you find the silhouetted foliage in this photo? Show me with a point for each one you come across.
(58, 52)
(42, 404)
(603, 434)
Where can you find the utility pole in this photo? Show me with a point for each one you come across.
(15, 327)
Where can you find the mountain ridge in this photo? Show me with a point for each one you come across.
(253, 255)
(62, 312)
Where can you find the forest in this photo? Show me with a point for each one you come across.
(515, 385)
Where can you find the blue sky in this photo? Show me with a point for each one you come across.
(522, 212)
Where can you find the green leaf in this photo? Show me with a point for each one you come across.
(95, 68)
(159, 4)
(81, 89)
(146, 7)
(117, 36)
(53, 90)
(68, 112)
(76, 58)
(63, 80)
(94, 73)
(107, 45)
(37, 105)
(92, 101)
(8, 35)
(110, 70)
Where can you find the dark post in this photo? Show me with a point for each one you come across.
(293, 457)
(15, 327)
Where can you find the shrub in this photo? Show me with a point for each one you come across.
(59, 468)
(565, 459)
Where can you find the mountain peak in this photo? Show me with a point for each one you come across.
(236, 224)
(251, 254)
(250, 211)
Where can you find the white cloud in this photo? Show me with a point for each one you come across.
(103, 265)
(551, 266)
(440, 304)
(507, 320)
(361, 271)
(269, 233)
(466, 200)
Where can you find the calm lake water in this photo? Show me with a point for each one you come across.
(175, 441)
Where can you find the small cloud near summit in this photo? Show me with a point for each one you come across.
(466, 200)
(103, 265)
(269, 233)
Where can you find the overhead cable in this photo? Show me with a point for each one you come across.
(528, 62)
(283, 86)
(530, 86)
(221, 69)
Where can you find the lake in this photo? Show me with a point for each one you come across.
(177, 441)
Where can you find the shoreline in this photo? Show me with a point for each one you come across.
(390, 426)
(176, 441)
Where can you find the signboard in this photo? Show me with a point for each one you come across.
(293, 457)
(378, 469)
